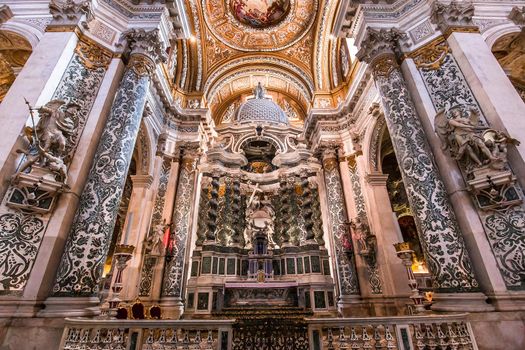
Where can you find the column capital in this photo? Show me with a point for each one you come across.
(453, 17)
(517, 15)
(376, 179)
(142, 181)
(329, 158)
(380, 42)
(145, 43)
(380, 49)
(67, 14)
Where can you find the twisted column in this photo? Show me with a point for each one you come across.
(80, 269)
(213, 210)
(238, 223)
(285, 211)
(308, 213)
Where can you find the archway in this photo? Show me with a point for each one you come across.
(510, 53)
(14, 53)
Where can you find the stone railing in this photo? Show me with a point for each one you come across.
(393, 333)
(90, 334)
(432, 332)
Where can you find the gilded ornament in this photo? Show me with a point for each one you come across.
(92, 56)
(384, 65)
(432, 55)
(141, 65)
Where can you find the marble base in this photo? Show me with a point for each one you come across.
(19, 308)
(71, 307)
(172, 308)
(30, 333)
(461, 302)
(511, 301)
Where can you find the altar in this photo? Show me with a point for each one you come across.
(256, 294)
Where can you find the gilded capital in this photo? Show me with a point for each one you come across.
(380, 42)
(92, 55)
(453, 17)
(329, 158)
(380, 49)
(145, 43)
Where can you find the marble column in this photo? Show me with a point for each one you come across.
(346, 273)
(76, 287)
(440, 235)
(176, 257)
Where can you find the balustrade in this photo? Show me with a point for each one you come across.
(431, 332)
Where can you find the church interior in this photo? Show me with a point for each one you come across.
(262, 174)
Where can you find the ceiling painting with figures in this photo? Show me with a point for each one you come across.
(260, 13)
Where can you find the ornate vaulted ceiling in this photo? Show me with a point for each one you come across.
(284, 44)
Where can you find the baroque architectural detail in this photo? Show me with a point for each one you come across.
(441, 237)
(67, 13)
(80, 270)
(455, 16)
(481, 153)
(346, 271)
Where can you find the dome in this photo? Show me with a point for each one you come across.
(261, 109)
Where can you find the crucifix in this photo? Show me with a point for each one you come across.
(255, 190)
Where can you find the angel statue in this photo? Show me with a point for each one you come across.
(49, 137)
(463, 135)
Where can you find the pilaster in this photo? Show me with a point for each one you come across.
(440, 235)
(346, 272)
(88, 82)
(445, 95)
(177, 251)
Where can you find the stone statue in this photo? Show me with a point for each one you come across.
(49, 138)
(259, 91)
(154, 242)
(466, 138)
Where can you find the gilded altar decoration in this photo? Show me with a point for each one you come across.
(260, 13)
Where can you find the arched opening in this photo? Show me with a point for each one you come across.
(401, 208)
(14, 53)
(510, 53)
(120, 228)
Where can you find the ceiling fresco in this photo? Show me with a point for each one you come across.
(259, 13)
(275, 42)
(242, 26)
